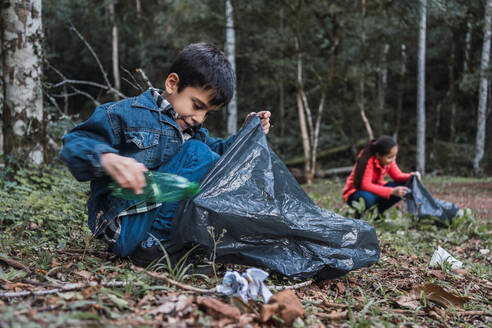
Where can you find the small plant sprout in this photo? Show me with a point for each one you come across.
(180, 270)
(216, 240)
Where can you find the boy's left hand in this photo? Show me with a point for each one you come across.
(265, 119)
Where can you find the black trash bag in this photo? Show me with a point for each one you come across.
(270, 221)
(420, 203)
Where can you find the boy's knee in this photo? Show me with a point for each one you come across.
(200, 151)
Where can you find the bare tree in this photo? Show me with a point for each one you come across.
(138, 7)
(452, 90)
(421, 89)
(281, 91)
(116, 60)
(230, 51)
(401, 90)
(361, 99)
(382, 84)
(482, 100)
(21, 74)
(468, 38)
(309, 131)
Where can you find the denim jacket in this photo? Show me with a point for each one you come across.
(133, 127)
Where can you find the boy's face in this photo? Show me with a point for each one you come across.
(192, 104)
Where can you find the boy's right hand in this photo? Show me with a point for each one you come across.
(399, 191)
(126, 171)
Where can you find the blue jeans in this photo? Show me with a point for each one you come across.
(192, 162)
(371, 199)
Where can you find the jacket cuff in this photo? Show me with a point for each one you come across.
(95, 158)
(387, 192)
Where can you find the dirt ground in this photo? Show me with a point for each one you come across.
(474, 195)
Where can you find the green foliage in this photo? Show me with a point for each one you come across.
(43, 207)
(180, 271)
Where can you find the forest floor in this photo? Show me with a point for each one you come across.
(52, 273)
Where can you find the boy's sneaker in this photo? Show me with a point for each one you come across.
(150, 251)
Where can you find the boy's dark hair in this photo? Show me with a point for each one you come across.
(204, 65)
(381, 145)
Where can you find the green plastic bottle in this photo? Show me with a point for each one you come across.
(160, 187)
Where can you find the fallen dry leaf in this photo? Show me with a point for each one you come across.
(332, 315)
(462, 272)
(247, 318)
(438, 274)
(285, 304)
(54, 262)
(340, 287)
(223, 322)
(88, 292)
(409, 300)
(18, 286)
(432, 292)
(84, 274)
(439, 295)
(218, 309)
(165, 308)
(267, 311)
(242, 306)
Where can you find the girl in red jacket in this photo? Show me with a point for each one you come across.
(367, 178)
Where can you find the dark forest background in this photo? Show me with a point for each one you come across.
(338, 43)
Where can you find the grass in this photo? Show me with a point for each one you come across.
(43, 226)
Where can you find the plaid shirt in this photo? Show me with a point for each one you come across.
(113, 229)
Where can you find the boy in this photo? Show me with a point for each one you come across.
(157, 130)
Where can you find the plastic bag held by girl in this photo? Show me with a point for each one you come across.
(420, 203)
(270, 221)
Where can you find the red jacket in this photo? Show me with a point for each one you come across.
(373, 179)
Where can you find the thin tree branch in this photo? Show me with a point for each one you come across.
(296, 286)
(63, 288)
(63, 115)
(144, 77)
(108, 86)
(155, 275)
(14, 263)
(105, 75)
(88, 95)
(135, 83)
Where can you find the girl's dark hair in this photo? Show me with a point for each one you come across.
(204, 65)
(381, 145)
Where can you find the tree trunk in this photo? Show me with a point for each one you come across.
(116, 60)
(281, 100)
(314, 145)
(138, 8)
(482, 100)
(281, 107)
(438, 119)
(230, 52)
(306, 145)
(452, 91)
(362, 74)
(421, 90)
(23, 127)
(401, 91)
(2, 84)
(382, 83)
(468, 37)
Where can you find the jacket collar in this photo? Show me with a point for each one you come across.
(146, 100)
